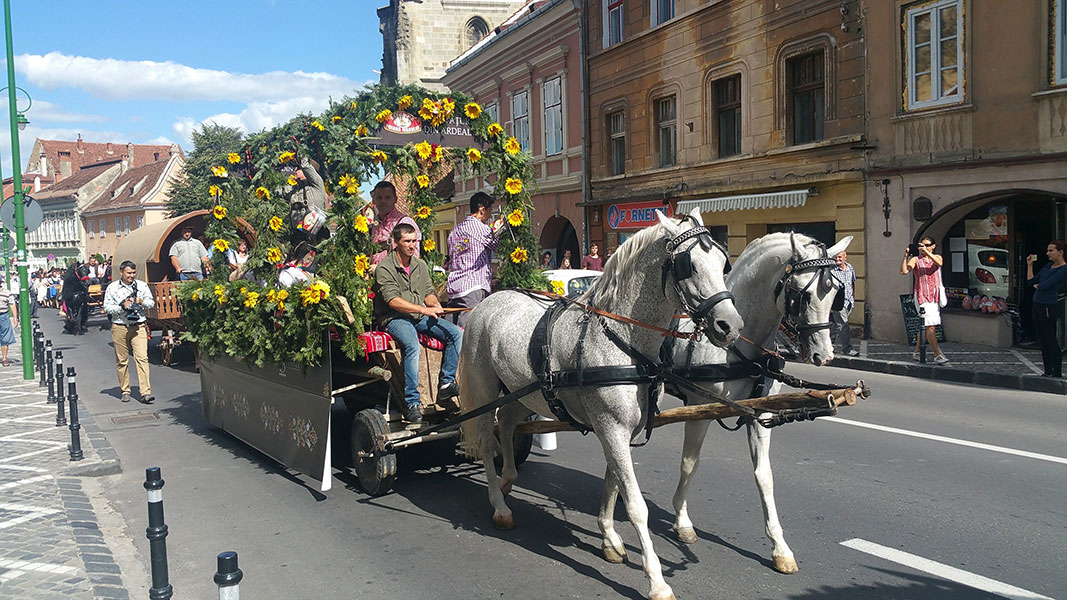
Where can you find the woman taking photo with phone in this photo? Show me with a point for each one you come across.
(1047, 284)
(928, 292)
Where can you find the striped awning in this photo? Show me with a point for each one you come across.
(788, 199)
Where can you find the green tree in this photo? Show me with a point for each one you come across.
(211, 145)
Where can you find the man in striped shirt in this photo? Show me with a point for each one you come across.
(470, 252)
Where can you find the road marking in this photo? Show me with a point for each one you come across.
(1026, 361)
(34, 453)
(35, 514)
(943, 571)
(16, 436)
(27, 418)
(18, 567)
(14, 484)
(947, 440)
(24, 468)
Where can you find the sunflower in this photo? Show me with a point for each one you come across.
(512, 146)
(513, 186)
(315, 293)
(262, 193)
(423, 149)
(252, 300)
(196, 296)
(474, 155)
(291, 180)
(350, 183)
(276, 224)
(558, 288)
(286, 156)
(428, 245)
(438, 153)
(219, 171)
(515, 218)
(361, 131)
(214, 191)
(518, 255)
(404, 102)
(494, 129)
(274, 255)
(219, 212)
(318, 125)
(221, 245)
(383, 116)
(336, 118)
(424, 211)
(379, 156)
(233, 157)
(472, 110)
(361, 224)
(423, 180)
(362, 264)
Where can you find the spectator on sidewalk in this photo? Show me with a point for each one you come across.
(546, 260)
(928, 292)
(9, 319)
(125, 301)
(1047, 284)
(565, 262)
(470, 252)
(593, 261)
(839, 328)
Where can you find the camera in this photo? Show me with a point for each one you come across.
(913, 249)
(133, 313)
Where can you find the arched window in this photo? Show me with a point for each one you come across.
(477, 29)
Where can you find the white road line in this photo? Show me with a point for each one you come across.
(41, 567)
(27, 418)
(14, 484)
(9, 575)
(36, 514)
(947, 440)
(34, 453)
(943, 571)
(16, 436)
(24, 468)
(1026, 361)
(13, 506)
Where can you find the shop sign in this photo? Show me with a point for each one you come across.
(636, 215)
(403, 128)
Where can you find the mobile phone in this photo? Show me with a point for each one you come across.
(913, 249)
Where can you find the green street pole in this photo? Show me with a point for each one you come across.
(3, 231)
(28, 371)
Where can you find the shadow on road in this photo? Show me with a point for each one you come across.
(913, 587)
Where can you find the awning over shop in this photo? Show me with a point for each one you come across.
(788, 199)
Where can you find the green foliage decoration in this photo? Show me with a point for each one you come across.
(250, 188)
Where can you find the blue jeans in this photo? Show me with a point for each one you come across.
(405, 333)
(183, 276)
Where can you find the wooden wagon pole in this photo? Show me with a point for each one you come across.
(700, 412)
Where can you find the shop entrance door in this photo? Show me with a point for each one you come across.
(1037, 222)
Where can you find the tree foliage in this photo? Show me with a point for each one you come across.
(211, 144)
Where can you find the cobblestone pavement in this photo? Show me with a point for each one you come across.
(51, 544)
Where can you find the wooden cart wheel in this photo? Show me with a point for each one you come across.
(375, 473)
(522, 445)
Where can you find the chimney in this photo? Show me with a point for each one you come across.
(173, 149)
(36, 184)
(109, 150)
(44, 163)
(81, 150)
(129, 152)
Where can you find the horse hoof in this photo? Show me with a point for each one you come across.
(504, 522)
(613, 556)
(785, 564)
(666, 594)
(686, 535)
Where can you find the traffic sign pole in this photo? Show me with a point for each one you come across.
(20, 225)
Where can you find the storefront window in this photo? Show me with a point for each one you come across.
(825, 232)
(977, 255)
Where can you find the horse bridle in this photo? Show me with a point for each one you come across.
(679, 264)
(796, 299)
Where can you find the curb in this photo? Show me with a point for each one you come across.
(1029, 383)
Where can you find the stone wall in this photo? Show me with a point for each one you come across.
(422, 37)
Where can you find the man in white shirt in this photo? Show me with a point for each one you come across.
(125, 300)
(188, 256)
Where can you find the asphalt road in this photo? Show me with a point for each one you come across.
(988, 512)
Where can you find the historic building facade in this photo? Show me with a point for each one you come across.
(420, 37)
(751, 112)
(968, 138)
(527, 76)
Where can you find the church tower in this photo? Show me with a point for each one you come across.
(421, 37)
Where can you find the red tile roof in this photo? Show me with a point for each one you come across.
(82, 153)
(129, 189)
(69, 185)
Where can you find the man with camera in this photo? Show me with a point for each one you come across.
(125, 301)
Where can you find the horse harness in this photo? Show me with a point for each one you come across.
(798, 299)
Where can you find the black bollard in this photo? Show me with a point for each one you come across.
(157, 535)
(48, 364)
(228, 577)
(61, 416)
(75, 426)
(39, 357)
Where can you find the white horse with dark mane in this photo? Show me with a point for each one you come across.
(662, 270)
(781, 274)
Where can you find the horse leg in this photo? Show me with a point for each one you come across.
(692, 442)
(502, 517)
(508, 418)
(759, 445)
(616, 444)
(612, 547)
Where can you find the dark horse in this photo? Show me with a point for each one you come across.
(76, 297)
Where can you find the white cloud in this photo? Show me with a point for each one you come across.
(114, 79)
(255, 116)
(42, 111)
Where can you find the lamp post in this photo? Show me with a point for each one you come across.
(18, 121)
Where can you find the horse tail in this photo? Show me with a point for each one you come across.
(478, 385)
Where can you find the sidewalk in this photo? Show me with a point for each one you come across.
(1012, 368)
(52, 542)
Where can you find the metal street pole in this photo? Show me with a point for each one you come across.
(20, 224)
(7, 262)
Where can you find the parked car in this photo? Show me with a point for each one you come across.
(988, 270)
(575, 281)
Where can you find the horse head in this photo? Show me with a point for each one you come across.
(808, 292)
(696, 264)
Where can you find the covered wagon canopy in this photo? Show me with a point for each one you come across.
(149, 246)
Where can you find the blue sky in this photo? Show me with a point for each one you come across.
(151, 72)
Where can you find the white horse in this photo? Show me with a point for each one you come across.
(495, 356)
(775, 275)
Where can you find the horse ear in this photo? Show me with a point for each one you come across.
(695, 214)
(839, 247)
(667, 222)
(793, 244)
